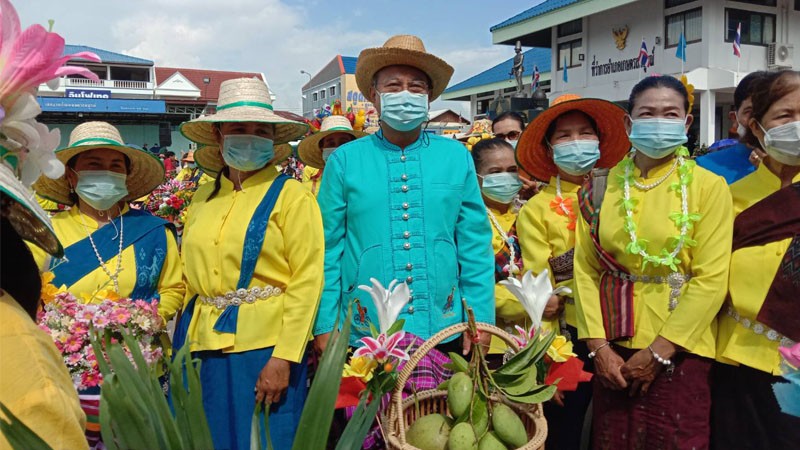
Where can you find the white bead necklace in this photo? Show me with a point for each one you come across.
(512, 266)
(647, 187)
(114, 277)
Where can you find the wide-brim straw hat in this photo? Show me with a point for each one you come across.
(188, 157)
(29, 220)
(240, 100)
(532, 152)
(145, 174)
(402, 50)
(309, 149)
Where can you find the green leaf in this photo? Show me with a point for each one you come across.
(359, 425)
(396, 326)
(315, 421)
(17, 433)
(523, 384)
(373, 330)
(519, 362)
(459, 363)
(540, 395)
(443, 385)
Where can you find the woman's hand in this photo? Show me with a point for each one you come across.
(273, 381)
(483, 338)
(607, 365)
(554, 307)
(642, 368)
(321, 342)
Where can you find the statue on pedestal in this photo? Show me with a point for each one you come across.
(518, 69)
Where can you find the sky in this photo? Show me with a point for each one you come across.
(279, 37)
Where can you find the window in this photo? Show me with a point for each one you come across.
(757, 28)
(322, 94)
(571, 27)
(690, 23)
(758, 2)
(797, 5)
(314, 97)
(674, 3)
(570, 51)
(332, 91)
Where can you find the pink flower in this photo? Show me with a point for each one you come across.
(79, 329)
(74, 359)
(120, 316)
(383, 347)
(101, 321)
(524, 336)
(91, 378)
(791, 355)
(73, 344)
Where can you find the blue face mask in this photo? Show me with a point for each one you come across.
(501, 187)
(513, 143)
(101, 189)
(246, 152)
(403, 111)
(327, 152)
(576, 157)
(658, 138)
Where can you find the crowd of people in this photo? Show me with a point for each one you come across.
(681, 287)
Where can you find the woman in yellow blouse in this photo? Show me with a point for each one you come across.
(253, 250)
(314, 150)
(500, 184)
(561, 146)
(109, 246)
(651, 267)
(762, 311)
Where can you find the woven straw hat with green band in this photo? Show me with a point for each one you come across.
(309, 149)
(240, 100)
(146, 171)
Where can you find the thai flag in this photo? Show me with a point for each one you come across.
(535, 78)
(737, 43)
(643, 56)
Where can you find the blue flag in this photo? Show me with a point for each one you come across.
(681, 52)
(566, 78)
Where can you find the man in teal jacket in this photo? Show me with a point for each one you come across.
(404, 204)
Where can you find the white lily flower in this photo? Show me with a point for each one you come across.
(388, 302)
(533, 293)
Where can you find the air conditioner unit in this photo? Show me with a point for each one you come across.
(780, 55)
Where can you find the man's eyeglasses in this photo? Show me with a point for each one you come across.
(510, 136)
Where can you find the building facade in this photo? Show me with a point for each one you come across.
(599, 42)
(335, 81)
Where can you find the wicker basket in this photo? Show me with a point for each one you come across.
(402, 413)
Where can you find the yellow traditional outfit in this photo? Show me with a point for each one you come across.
(195, 174)
(312, 179)
(311, 152)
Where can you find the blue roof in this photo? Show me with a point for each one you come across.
(542, 8)
(536, 56)
(107, 56)
(349, 63)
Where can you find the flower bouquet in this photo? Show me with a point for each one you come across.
(170, 200)
(788, 394)
(69, 321)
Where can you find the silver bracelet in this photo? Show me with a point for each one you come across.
(658, 357)
(594, 353)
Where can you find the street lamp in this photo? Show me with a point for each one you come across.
(206, 82)
(306, 73)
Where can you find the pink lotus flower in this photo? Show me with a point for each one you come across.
(382, 348)
(791, 355)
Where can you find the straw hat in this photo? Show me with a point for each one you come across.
(240, 100)
(309, 149)
(402, 50)
(188, 157)
(29, 220)
(145, 174)
(532, 151)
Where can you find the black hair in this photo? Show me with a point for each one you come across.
(655, 82)
(20, 275)
(168, 154)
(487, 145)
(513, 115)
(218, 182)
(552, 127)
(745, 88)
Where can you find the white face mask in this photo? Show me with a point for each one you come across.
(326, 153)
(741, 130)
(783, 143)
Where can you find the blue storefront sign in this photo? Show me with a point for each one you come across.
(61, 104)
(87, 93)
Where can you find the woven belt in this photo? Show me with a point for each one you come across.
(759, 328)
(675, 281)
(241, 296)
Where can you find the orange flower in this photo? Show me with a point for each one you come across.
(49, 291)
(563, 207)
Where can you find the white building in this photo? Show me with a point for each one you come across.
(600, 41)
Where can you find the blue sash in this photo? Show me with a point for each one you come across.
(142, 230)
(253, 241)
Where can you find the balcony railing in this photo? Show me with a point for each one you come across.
(116, 84)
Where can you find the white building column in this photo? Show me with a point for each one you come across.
(708, 105)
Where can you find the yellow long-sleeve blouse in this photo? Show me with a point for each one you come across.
(34, 383)
(291, 259)
(692, 324)
(543, 234)
(310, 179)
(72, 226)
(752, 271)
(508, 310)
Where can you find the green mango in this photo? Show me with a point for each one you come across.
(459, 394)
(491, 442)
(462, 438)
(429, 432)
(508, 426)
